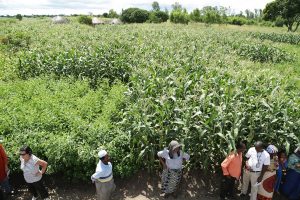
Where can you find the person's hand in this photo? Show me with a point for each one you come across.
(298, 165)
(165, 166)
(259, 179)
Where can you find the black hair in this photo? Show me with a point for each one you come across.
(259, 144)
(240, 144)
(102, 158)
(27, 149)
(282, 151)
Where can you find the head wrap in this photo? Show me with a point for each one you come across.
(271, 149)
(102, 153)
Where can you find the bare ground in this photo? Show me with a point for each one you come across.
(194, 186)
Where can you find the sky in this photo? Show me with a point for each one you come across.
(28, 7)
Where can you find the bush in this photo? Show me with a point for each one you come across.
(16, 40)
(158, 17)
(179, 16)
(279, 22)
(237, 21)
(134, 15)
(85, 20)
(19, 17)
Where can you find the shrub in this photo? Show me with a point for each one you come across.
(279, 22)
(179, 16)
(16, 40)
(240, 21)
(158, 17)
(134, 15)
(19, 17)
(85, 20)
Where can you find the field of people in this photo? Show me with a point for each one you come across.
(68, 90)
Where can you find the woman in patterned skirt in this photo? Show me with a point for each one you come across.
(172, 159)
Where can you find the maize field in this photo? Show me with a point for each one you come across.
(68, 90)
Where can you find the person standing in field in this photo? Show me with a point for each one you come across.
(103, 177)
(4, 171)
(30, 165)
(232, 168)
(281, 171)
(258, 163)
(172, 159)
(291, 186)
(266, 188)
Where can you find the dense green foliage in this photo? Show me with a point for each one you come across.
(19, 17)
(83, 19)
(134, 15)
(158, 17)
(288, 10)
(131, 89)
(275, 37)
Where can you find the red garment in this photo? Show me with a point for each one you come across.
(3, 163)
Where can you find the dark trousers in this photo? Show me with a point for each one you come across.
(38, 188)
(227, 187)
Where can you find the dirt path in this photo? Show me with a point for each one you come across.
(140, 187)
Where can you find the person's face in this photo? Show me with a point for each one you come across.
(242, 149)
(176, 150)
(24, 155)
(282, 158)
(106, 158)
(259, 148)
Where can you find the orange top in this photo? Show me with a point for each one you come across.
(3, 163)
(232, 165)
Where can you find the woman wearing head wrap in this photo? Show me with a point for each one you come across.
(103, 177)
(281, 171)
(266, 188)
(291, 186)
(172, 158)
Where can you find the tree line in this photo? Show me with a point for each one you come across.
(277, 13)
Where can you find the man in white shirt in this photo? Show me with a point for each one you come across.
(257, 163)
(103, 177)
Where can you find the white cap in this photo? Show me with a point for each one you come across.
(102, 153)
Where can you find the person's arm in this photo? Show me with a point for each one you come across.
(264, 168)
(263, 171)
(5, 159)
(163, 162)
(43, 164)
(162, 155)
(225, 165)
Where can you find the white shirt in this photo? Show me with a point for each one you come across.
(103, 172)
(30, 168)
(176, 162)
(257, 159)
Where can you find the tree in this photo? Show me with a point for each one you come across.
(19, 17)
(179, 15)
(176, 6)
(211, 15)
(158, 16)
(155, 6)
(134, 15)
(196, 15)
(113, 14)
(105, 15)
(289, 10)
